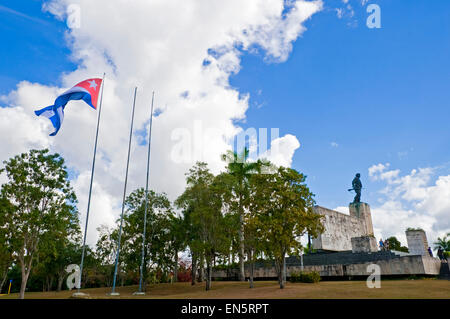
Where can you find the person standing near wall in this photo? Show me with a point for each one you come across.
(381, 244)
(430, 251)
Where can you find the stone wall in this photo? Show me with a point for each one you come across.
(340, 228)
(406, 265)
(365, 244)
(417, 242)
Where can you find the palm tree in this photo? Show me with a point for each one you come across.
(443, 243)
(241, 170)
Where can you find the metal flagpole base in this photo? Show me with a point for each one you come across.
(113, 294)
(139, 293)
(81, 295)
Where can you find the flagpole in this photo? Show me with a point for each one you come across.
(140, 292)
(113, 292)
(90, 186)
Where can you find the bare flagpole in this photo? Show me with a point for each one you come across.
(140, 292)
(113, 292)
(90, 186)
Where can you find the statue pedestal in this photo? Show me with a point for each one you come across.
(362, 211)
(138, 293)
(364, 244)
(113, 294)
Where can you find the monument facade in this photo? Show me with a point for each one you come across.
(347, 247)
(417, 242)
(340, 228)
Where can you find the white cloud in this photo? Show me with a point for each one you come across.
(334, 144)
(166, 46)
(417, 199)
(374, 169)
(282, 150)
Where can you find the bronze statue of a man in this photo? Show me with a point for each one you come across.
(357, 185)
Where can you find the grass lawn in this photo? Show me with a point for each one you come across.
(424, 288)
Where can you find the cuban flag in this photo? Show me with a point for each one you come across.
(87, 91)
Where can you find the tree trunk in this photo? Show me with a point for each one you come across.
(241, 241)
(50, 283)
(194, 269)
(23, 284)
(4, 277)
(250, 257)
(208, 274)
(175, 268)
(282, 273)
(60, 281)
(201, 274)
(25, 270)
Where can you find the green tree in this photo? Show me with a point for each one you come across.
(394, 244)
(253, 243)
(191, 234)
(443, 243)
(283, 212)
(6, 255)
(240, 169)
(51, 262)
(105, 252)
(201, 203)
(159, 243)
(42, 205)
(177, 240)
(252, 233)
(68, 253)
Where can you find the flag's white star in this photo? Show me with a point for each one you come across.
(93, 84)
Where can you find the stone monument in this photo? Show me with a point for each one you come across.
(364, 244)
(347, 247)
(417, 242)
(362, 211)
(340, 228)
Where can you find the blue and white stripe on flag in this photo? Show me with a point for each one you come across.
(54, 114)
(87, 91)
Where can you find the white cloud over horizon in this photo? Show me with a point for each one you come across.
(417, 199)
(185, 52)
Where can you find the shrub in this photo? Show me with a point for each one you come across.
(308, 277)
(184, 273)
(414, 229)
(447, 254)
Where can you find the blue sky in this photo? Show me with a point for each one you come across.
(353, 96)
(32, 46)
(381, 94)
